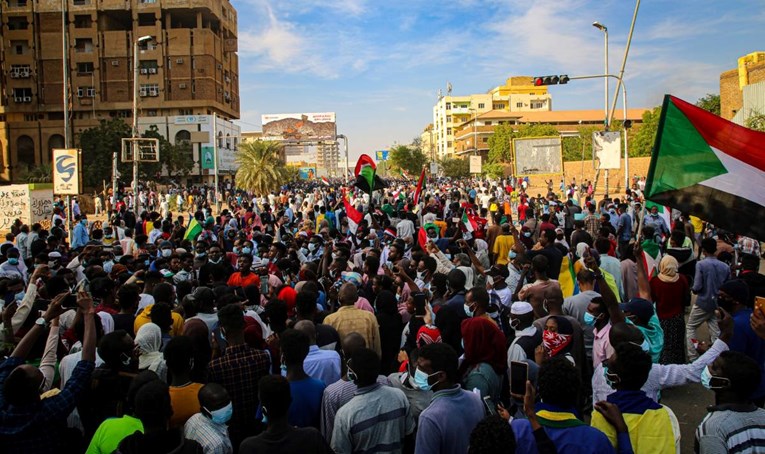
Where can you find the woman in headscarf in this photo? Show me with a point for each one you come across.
(670, 292)
(557, 339)
(485, 358)
(148, 340)
(391, 327)
(199, 334)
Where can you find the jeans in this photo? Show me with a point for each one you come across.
(695, 319)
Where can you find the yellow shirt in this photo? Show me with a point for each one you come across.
(145, 317)
(185, 403)
(348, 319)
(697, 224)
(502, 246)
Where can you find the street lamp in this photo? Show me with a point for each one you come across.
(604, 29)
(134, 143)
(345, 141)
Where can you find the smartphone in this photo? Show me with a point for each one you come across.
(70, 302)
(264, 286)
(759, 303)
(519, 374)
(419, 304)
(490, 407)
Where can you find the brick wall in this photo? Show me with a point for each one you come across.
(731, 97)
(575, 169)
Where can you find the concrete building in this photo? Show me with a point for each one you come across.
(428, 143)
(328, 160)
(742, 90)
(567, 122)
(518, 94)
(187, 72)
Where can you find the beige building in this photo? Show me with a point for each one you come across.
(742, 90)
(187, 72)
(518, 94)
(428, 143)
(567, 122)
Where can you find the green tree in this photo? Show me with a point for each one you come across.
(98, 145)
(755, 121)
(176, 159)
(501, 144)
(260, 168)
(455, 167)
(710, 103)
(644, 136)
(407, 159)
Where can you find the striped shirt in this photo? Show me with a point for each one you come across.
(335, 396)
(376, 420)
(212, 436)
(735, 429)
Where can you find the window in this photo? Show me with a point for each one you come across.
(19, 47)
(17, 3)
(80, 2)
(537, 104)
(83, 21)
(220, 139)
(147, 45)
(151, 113)
(83, 45)
(485, 139)
(146, 20)
(19, 71)
(17, 23)
(449, 144)
(182, 137)
(30, 117)
(84, 68)
(86, 92)
(448, 106)
(448, 131)
(22, 95)
(149, 90)
(148, 67)
(487, 123)
(519, 105)
(185, 112)
(498, 106)
(481, 105)
(448, 118)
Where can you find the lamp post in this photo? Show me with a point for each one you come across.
(345, 143)
(604, 29)
(134, 144)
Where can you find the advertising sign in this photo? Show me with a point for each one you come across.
(307, 173)
(607, 148)
(300, 127)
(538, 156)
(475, 164)
(381, 155)
(191, 119)
(66, 171)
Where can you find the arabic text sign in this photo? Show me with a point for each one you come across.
(66, 171)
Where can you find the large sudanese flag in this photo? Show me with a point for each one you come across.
(366, 175)
(709, 167)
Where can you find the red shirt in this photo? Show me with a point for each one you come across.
(237, 280)
(669, 296)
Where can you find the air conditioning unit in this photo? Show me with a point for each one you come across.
(27, 99)
(153, 92)
(181, 85)
(220, 66)
(115, 62)
(179, 61)
(152, 70)
(220, 90)
(13, 74)
(18, 99)
(24, 72)
(144, 70)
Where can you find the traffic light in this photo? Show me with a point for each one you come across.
(550, 80)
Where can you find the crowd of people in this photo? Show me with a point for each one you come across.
(468, 316)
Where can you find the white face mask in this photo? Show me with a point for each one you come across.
(167, 252)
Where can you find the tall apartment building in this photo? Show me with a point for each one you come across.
(328, 159)
(187, 72)
(518, 94)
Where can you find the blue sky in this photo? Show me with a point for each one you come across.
(379, 64)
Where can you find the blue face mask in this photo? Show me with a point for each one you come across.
(421, 380)
(468, 312)
(611, 379)
(19, 296)
(527, 234)
(13, 261)
(513, 255)
(352, 375)
(222, 415)
(237, 250)
(589, 319)
(246, 250)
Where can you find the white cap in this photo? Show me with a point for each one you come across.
(520, 308)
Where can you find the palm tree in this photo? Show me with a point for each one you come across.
(260, 167)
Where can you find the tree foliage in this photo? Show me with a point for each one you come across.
(406, 158)
(260, 168)
(98, 145)
(710, 103)
(755, 121)
(455, 167)
(644, 136)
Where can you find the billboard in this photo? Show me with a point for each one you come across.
(538, 156)
(307, 173)
(208, 158)
(475, 164)
(66, 171)
(301, 127)
(607, 148)
(381, 155)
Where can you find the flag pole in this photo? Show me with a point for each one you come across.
(640, 225)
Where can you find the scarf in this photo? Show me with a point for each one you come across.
(554, 343)
(149, 341)
(668, 269)
(468, 272)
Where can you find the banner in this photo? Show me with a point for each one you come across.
(381, 155)
(307, 173)
(607, 148)
(66, 171)
(475, 164)
(208, 158)
(300, 127)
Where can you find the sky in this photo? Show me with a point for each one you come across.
(380, 63)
